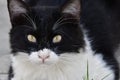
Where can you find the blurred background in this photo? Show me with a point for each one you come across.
(4, 41)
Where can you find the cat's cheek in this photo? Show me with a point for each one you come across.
(54, 58)
(34, 58)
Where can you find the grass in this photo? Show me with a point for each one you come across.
(87, 73)
(87, 76)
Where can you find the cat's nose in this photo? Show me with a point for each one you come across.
(43, 57)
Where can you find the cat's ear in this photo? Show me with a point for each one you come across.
(72, 7)
(16, 8)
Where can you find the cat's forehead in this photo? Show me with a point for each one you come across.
(45, 11)
(45, 16)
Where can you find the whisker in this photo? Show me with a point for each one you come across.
(30, 20)
(67, 23)
(34, 18)
(68, 19)
(56, 24)
(59, 19)
(27, 27)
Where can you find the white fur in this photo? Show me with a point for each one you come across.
(51, 60)
(68, 66)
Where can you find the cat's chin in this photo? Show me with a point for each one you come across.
(43, 65)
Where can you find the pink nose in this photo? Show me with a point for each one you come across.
(43, 57)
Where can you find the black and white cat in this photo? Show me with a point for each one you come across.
(64, 39)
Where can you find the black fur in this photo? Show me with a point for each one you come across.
(101, 20)
(99, 17)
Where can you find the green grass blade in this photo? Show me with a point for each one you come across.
(87, 70)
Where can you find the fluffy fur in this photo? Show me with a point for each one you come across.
(67, 66)
(89, 33)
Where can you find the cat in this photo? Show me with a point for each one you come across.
(64, 39)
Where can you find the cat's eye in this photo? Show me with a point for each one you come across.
(57, 39)
(31, 38)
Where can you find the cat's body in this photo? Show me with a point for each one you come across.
(63, 40)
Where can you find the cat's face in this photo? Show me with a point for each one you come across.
(42, 35)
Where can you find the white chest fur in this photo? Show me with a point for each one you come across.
(69, 67)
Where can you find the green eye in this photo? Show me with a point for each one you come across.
(57, 39)
(31, 38)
